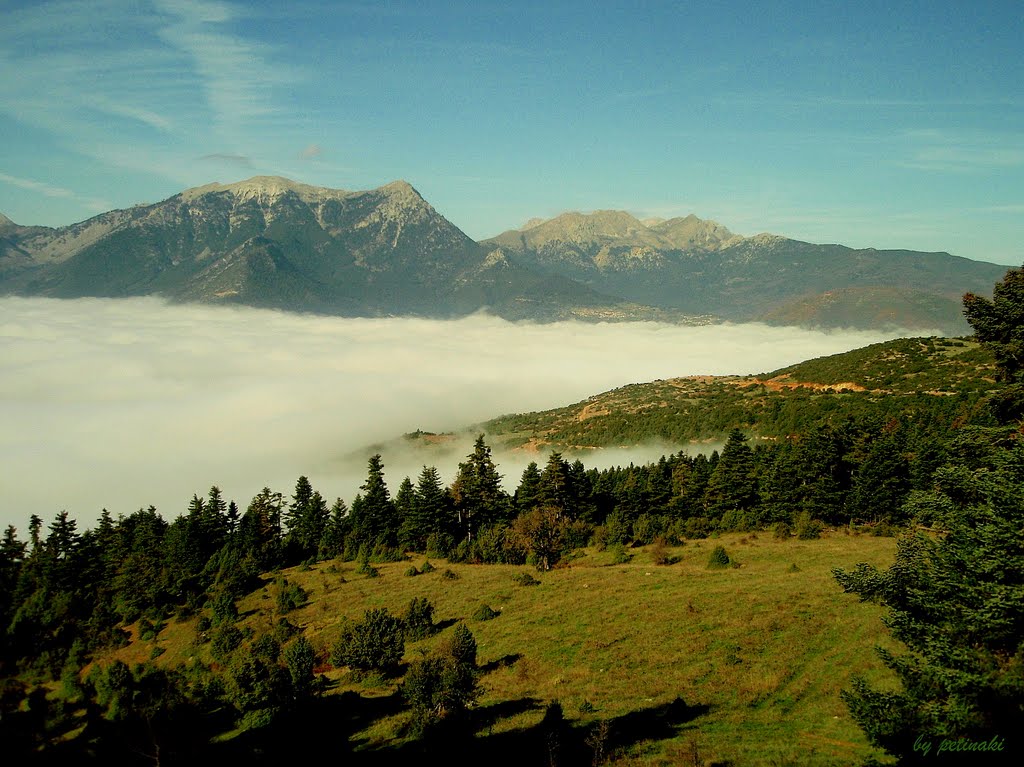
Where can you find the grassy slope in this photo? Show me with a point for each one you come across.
(761, 650)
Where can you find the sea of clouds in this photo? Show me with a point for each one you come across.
(123, 403)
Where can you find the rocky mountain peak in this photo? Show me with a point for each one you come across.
(4, 221)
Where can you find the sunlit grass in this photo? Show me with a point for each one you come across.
(765, 646)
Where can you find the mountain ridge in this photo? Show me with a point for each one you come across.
(274, 242)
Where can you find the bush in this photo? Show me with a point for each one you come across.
(718, 559)
(290, 596)
(460, 646)
(224, 641)
(438, 688)
(698, 527)
(619, 554)
(412, 572)
(376, 643)
(450, 575)
(426, 567)
(659, 552)
(419, 619)
(807, 529)
(525, 579)
(484, 613)
(781, 531)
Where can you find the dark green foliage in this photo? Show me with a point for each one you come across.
(620, 555)
(525, 579)
(300, 659)
(719, 559)
(807, 529)
(411, 571)
(781, 531)
(375, 643)
(224, 608)
(374, 518)
(956, 601)
(290, 596)
(419, 619)
(440, 688)
(484, 613)
(732, 488)
(476, 491)
(449, 574)
(426, 567)
(460, 645)
(226, 638)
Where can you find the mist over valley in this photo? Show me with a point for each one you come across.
(123, 403)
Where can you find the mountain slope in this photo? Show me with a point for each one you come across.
(273, 242)
(701, 267)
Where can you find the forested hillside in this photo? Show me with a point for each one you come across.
(212, 634)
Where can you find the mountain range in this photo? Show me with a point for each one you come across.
(272, 242)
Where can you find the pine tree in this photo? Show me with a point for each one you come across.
(479, 499)
(374, 518)
(528, 494)
(956, 601)
(732, 488)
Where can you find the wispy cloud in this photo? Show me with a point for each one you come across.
(311, 151)
(236, 160)
(233, 71)
(94, 204)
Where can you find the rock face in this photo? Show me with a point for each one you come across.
(273, 242)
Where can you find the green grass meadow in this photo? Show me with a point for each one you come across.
(758, 653)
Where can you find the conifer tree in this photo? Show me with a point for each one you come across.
(479, 499)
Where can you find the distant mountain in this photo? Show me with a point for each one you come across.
(272, 242)
(701, 266)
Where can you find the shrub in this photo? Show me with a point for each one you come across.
(290, 596)
(659, 552)
(718, 559)
(426, 567)
(376, 643)
(807, 529)
(619, 554)
(449, 575)
(224, 608)
(224, 641)
(698, 527)
(419, 618)
(484, 613)
(412, 572)
(525, 579)
(781, 531)
(460, 646)
(438, 688)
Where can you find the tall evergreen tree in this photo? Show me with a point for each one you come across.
(374, 518)
(732, 488)
(479, 499)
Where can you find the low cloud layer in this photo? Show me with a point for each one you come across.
(125, 403)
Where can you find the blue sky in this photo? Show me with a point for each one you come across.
(871, 124)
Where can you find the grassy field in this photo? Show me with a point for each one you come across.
(758, 653)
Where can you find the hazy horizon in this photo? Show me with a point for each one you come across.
(123, 403)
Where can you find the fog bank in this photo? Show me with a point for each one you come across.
(123, 403)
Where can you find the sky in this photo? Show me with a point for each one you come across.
(873, 124)
(123, 403)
